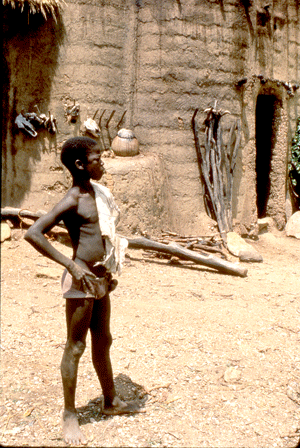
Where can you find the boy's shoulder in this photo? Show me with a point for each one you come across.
(71, 197)
(73, 193)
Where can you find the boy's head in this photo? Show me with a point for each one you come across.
(74, 149)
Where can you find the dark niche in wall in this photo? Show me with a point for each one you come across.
(265, 113)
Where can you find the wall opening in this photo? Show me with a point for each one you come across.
(264, 134)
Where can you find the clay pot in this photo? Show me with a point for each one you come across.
(125, 144)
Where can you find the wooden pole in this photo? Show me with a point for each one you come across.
(185, 254)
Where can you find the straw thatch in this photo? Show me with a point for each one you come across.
(45, 7)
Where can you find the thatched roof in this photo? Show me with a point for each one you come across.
(45, 7)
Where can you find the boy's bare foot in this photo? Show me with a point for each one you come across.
(71, 431)
(119, 407)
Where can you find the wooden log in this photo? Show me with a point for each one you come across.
(10, 212)
(185, 254)
(18, 214)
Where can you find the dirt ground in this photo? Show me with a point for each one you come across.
(214, 359)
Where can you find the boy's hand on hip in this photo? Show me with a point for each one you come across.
(82, 276)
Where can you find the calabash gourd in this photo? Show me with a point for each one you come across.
(125, 144)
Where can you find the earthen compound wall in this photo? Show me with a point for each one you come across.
(159, 61)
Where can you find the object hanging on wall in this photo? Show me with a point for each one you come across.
(31, 122)
(101, 130)
(43, 121)
(91, 127)
(125, 144)
(36, 121)
(50, 124)
(72, 113)
(107, 128)
(24, 125)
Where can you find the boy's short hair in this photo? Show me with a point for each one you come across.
(76, 148)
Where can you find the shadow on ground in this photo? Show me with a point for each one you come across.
(126, 389)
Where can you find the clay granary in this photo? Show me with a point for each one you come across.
(146, 66)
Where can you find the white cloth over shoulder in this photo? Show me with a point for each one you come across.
(109, 216)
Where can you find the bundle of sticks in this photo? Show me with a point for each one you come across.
(217, 162)
(202, 244)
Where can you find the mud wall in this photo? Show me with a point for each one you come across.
(30, 60)
(158, 61)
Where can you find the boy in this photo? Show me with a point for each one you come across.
(87, 279)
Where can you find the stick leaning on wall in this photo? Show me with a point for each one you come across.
(216, 163)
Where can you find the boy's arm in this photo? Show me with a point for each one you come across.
(35, 236)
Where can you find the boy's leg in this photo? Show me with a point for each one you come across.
(78, 316)
(101, 342)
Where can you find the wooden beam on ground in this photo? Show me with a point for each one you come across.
(211, 261)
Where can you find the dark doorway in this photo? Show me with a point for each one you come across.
(265, 110)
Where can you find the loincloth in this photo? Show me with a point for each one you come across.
(72, 289)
